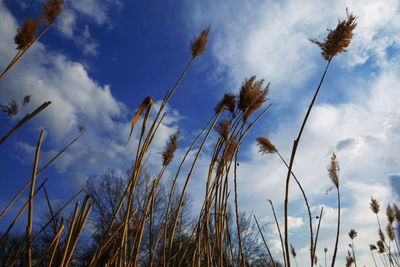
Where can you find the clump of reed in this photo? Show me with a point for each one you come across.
(387, 246)
(209, 240)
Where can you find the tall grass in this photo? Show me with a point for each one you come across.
(208, 241)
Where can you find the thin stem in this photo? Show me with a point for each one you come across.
(373, 257)
(265, 243)
(237, 211)
(293, 155)
(31, 194)
(316, 237)
(337, 230)
(279, 230)
(312, 252)
(354, 253)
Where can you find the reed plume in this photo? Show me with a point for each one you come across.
(52, 9)
(223, 129)
(265, 145)
(338, 39)
(251, 96)
(374, 205)
(352, 234)
(172, 145)
(227, 102)
(198, 45)
(26, 33)
(333, 172)
(396, 212)
(390, 214)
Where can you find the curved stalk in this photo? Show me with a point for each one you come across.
(292, 157)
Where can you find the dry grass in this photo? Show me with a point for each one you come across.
(209, 239)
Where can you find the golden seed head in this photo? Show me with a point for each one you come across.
(228, 102)
(230, 149)
(390, 214)
(338, 39)
(374, 205)
(333, 170)
(381, 246)
(251, 96)
(390, 232)
(352, 234)
(26, 33)
(396, 212)
(172, 145)
(198, 45)
(223, 129)
(381, 235)
(265, 145)
(52, 9)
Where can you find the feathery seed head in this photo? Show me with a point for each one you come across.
(390, 214)
(252, 95)
(228, 102)
(333, 170)
(223, 129)
(26, 33)
(374, 205)
(396, 212)
(52, 9)
(172, 145)
(198, 45)
(381, 235)
(352, 234)
(265, 145)
(338, 39)
(230, 149)
(381, 246)
(390, 232)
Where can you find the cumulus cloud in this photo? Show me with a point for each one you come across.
(270, 38)
(76, 98)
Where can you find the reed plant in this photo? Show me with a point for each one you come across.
(136, 235)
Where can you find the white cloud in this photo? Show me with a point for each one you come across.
(76, 98)
(270, 38)
(66, 23)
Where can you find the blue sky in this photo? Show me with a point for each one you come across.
(102, 57)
